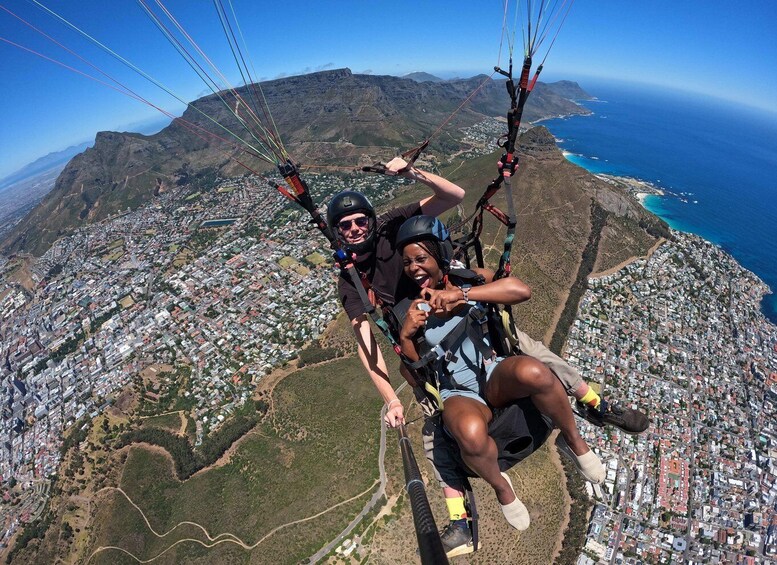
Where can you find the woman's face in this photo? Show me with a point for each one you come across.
(420, 266)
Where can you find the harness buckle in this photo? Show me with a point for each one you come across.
(440, 353)
(478, 315)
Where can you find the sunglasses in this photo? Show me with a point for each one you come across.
(362, 222)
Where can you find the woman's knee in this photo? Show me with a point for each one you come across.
(470, 432)
(531, 372)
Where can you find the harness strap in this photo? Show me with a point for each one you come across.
(475, 318)
(472, 511)
(498, 214)
(507, 326)
(362, 286)
(474, 326)
(477, 331)
(434, 394)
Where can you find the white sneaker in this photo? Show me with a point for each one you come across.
(516, 513)
(588, 463)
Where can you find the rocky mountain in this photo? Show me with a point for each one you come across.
(423, 77)
(332, 117)
(569, 89)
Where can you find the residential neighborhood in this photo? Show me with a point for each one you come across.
(222, 289)
(681, 336)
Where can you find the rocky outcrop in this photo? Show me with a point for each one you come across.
(568, 89)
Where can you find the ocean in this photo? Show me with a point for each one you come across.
(715, 161)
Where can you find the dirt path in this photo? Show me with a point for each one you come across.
(224, 537)
(268, 383)
(628, 261)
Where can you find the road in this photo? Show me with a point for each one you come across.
(622, 515)
(379, 494)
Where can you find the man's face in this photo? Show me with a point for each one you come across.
(354, 228)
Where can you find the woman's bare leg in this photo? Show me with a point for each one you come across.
(521, 376)
(467, 420)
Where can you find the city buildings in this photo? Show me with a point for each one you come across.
(681, 336)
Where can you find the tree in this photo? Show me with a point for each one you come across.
(67, 531)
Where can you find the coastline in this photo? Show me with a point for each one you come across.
(638, 188)
(695, 194)
(645, 191)
(642, 191)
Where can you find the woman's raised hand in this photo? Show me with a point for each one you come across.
(396, 165)
(415, 318)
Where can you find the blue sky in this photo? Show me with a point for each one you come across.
(725, 49)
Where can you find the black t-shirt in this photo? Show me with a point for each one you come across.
(383, 268)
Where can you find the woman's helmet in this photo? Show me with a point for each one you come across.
(427, 228)
(344, 204)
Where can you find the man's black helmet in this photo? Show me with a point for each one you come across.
(344, 204)
(427, 228)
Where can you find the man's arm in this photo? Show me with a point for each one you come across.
(372, 359)
(446, 194)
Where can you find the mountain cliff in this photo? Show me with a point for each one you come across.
(331, 117)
